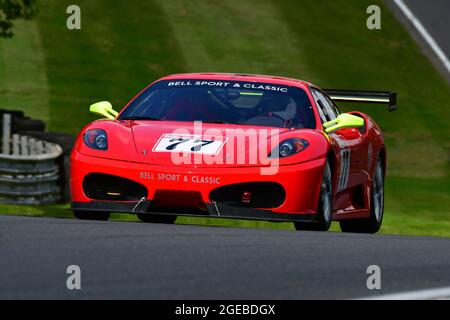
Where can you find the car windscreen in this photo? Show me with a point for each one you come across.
(221, 101)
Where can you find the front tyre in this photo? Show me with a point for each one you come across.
(91, 215)
(325, 208)
(156, 218)
(373, 223)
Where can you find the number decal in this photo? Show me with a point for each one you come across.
(177, 142)
(189, 144)
(199, 146)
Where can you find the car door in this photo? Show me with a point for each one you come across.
(352, 150)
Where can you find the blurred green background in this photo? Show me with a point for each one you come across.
(54, 74)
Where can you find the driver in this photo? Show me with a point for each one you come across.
(279, 105)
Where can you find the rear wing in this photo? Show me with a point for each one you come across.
(379, 97)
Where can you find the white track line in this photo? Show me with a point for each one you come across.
(424, 33)
(430, 294)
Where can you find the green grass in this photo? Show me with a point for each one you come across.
(23, 79)
(119, 50)
(54, 74)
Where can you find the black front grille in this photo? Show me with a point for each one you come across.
(262, 194)
(99, 186)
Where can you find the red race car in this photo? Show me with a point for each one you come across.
(234, 146)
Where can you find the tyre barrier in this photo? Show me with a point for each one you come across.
(66, 142)
(21, 123)
(30, 170)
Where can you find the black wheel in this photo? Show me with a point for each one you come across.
(156, 218)
(325, 208)
(373, 223)
(91, 215)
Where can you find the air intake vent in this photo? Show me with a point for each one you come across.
(99, 186)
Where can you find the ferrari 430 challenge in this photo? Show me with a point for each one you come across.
(234, 146)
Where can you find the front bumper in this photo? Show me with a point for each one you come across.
(301, 183)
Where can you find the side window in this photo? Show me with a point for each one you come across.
(326, 108)
(320, 106)
(329, 111)
(333, 105)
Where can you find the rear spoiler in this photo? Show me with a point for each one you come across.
(380, 97)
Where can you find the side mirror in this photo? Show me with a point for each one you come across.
(344, 120)
(105, 109)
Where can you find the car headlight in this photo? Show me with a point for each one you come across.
(289, 147)
(96, 139)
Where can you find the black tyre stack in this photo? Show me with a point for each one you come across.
(36, 128)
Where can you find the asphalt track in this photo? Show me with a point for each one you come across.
(129, 260)
(434, 15)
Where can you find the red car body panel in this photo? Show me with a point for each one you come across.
(130, 155)
(299, 199)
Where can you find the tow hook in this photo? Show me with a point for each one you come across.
(217, 209)
(137, 204)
